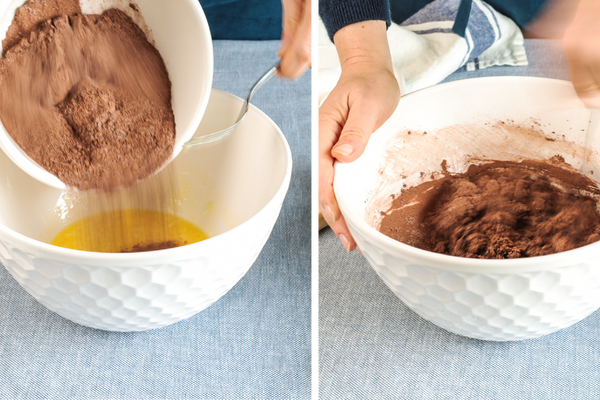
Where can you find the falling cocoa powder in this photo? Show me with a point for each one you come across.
(499, 210)
(85, 96)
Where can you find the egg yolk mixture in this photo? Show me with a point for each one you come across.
(127, 231)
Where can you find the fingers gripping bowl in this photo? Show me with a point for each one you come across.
(485, 299)
(233, 190)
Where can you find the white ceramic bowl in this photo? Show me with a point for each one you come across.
(181, 34)
(233, 191)
(485, 299)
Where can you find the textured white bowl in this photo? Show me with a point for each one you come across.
(181, 34)
(234, 192)
(496, 300)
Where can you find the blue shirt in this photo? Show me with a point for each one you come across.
(244, 19)
(338, 13)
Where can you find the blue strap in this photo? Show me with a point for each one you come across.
(462, 18)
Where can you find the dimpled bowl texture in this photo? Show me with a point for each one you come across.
(233, 191)
(497, 300)
(179, 31)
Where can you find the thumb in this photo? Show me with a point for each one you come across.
(584, 81)
(291, 18)
(355, 135)
(295, 57)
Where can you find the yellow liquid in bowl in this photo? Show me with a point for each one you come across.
(125, 231)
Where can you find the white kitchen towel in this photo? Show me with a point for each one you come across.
(425, 50)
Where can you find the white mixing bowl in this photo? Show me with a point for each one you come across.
(485, 299)
(233, 191)
(180, 32)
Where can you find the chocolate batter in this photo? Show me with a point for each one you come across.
(85, 96)
(499, 210)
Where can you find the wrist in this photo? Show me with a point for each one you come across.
(364, 46)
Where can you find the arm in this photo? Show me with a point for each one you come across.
(295, 50)
(582, 45)
(364, 98)
(577, 22)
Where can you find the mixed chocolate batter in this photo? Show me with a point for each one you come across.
(85, 96)
(499, 210)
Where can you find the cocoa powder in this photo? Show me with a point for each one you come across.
(31, 14)
(139, 248)
(499, 210)
(85, 96)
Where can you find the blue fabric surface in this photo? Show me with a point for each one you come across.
(252, 343)
(244, 19)
(371, 346)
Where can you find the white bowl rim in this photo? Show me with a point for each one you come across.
(158, 256)
(464, 264)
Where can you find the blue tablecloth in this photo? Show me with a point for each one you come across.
(252, 343)
(372, 346)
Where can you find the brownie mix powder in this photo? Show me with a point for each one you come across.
(85, 96)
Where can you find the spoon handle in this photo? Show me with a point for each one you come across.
(219, 135)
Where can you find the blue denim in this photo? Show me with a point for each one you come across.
(244, 19)
(371, 346)
(253, 343)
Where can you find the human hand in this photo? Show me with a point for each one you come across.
(363, 99)
(582, 46)
(295, 50)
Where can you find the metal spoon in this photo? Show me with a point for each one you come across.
(217, 136)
